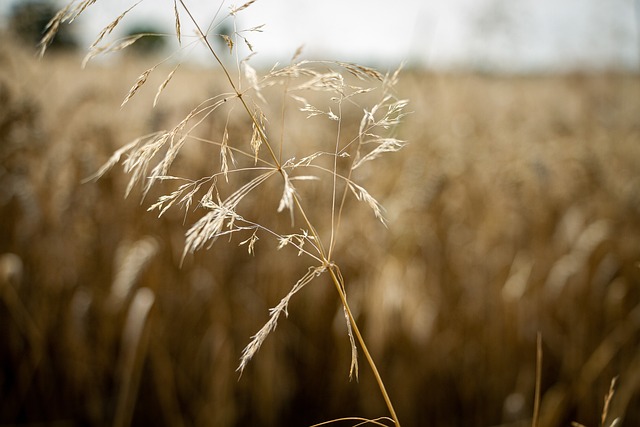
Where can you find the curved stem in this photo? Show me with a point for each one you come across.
(363, 346)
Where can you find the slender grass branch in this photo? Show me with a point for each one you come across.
(277, 160)
(343, 297)
(235, 88)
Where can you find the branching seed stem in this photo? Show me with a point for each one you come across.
(326, 258)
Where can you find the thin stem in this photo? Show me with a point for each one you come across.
(363, 346)
(314, 233)
(283, 117)
(334, 227)
(238, 93)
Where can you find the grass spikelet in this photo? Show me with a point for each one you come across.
(221, 214)
(234, 11)
(111, 47)
(297, 240)
(607, 402)
(176, 15)
(138, 162)
(297, 53)
(257, 135)
(181, 196)
(282, 308)
(109, 28)
(305, 161)
(362, 72)
(64, 15)
(80, 8)
(383, 145)
(228, 41)
(363, 195)
(286, 201)
(113, 160)
(250, 242)
(52, 29)
(164, 85)
(225, 154)
(252, 78)
(247, 43)
(256, 29)
(608, 397)
(142, 79)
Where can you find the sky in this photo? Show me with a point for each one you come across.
(488, 35)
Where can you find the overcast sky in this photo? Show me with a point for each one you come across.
(509, 35)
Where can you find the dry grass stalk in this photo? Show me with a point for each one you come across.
(222, 217)
(605, 408)
(133, 353)
(130, 262)
(282, 308)
(607, 403)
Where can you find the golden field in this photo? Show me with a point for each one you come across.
(514, 210)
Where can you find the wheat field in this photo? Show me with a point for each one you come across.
(513, 211)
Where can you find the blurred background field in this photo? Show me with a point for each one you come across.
(514, 210)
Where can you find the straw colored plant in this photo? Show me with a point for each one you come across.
(359, 101)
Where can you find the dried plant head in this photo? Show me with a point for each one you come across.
(331, 92)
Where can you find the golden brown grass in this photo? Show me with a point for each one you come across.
(515, 211)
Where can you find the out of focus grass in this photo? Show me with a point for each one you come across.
(515, 210)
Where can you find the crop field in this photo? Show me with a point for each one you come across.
(512, 212)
